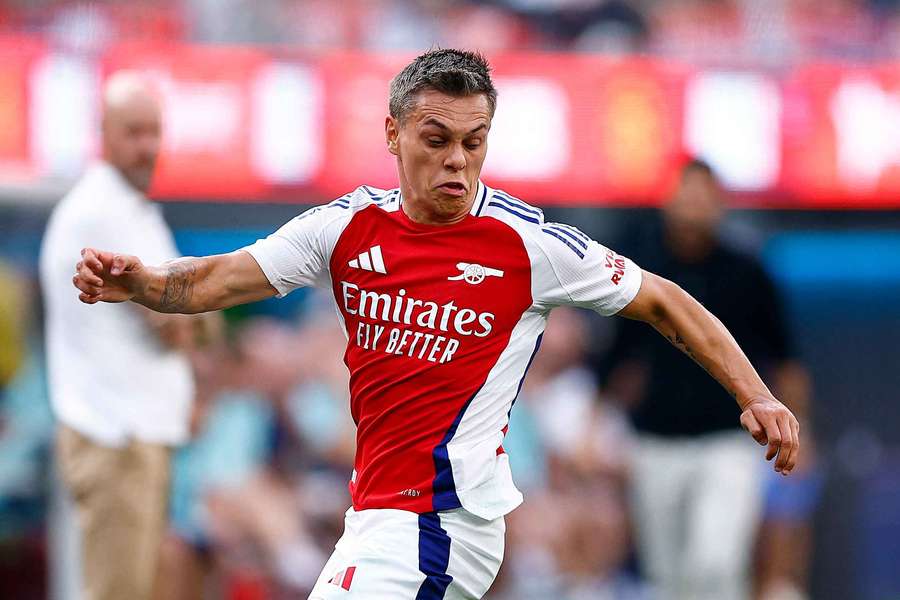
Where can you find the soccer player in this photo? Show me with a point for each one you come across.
(443, 286)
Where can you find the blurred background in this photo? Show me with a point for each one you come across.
(271, 106)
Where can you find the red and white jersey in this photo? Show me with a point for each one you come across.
(442, 323)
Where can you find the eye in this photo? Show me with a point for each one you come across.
(435, 142)
(473, 144)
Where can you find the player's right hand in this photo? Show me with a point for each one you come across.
(108, 277)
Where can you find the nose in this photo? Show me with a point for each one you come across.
(456, 158)
(149, 146)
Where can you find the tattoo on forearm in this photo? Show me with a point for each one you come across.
(179, 286)
(679, 343)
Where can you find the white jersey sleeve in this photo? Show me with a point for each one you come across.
(581, 272)
(298, 254)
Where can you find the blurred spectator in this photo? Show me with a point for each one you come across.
(833, 28)
(235, 21)
(571, 538)
(120, 382)
(616, 27)
(606, 26)
(698, 30)
(696, 486)
(403, 25)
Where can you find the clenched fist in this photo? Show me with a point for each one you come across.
(107, 277)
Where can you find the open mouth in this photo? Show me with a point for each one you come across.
(453, 188)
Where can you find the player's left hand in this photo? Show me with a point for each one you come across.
(770, 422)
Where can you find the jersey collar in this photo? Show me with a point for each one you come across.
(482, 194)
(481, 199)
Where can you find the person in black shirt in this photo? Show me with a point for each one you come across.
(696, 486)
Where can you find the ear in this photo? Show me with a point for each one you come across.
(392, 135)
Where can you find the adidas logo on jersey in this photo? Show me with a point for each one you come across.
(370, 260)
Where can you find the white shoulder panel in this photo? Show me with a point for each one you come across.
(298, 254)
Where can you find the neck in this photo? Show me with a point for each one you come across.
(430, 212)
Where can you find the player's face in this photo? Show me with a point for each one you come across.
(440, 146)
(131, 138)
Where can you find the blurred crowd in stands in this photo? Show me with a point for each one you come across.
(755, 31)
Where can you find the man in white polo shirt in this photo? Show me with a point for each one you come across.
(120, 382)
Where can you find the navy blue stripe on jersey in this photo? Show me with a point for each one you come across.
(342, 202)
(308, 213)
(569, 235)
(515, 202)
(389, 199)
(524, 216)
(434, 557)
(564, 241)
(537, 346)
(374, 195)
(574, 230)
(444, 486)
(378, 200)
(518, 206)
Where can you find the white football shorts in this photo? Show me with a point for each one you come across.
(387, 554)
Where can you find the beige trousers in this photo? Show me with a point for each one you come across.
(121, 497)
(696, 504)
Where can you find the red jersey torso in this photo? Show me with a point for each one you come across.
(422, 338)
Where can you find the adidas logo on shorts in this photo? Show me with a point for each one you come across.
(343, 578)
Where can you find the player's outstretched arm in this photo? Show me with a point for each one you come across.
(185, 285)
(700, 335)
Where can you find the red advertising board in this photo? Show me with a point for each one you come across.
(17, 56)
(631, 130)
(355, 151)
(252, 124)
(841, 136)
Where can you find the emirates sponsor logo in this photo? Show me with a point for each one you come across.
(409, 315)
(405, 310)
